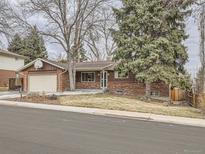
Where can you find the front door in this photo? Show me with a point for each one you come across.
(103, 79)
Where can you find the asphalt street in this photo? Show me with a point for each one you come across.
(34, 131)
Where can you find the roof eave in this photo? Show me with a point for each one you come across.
(89, 69)
(10, 55)
(31, 63)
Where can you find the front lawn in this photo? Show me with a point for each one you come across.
(103, 101)
(112, 102)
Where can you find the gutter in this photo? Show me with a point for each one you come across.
(107, 66)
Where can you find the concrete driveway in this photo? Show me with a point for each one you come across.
(9, 94)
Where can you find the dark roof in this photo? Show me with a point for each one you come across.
(88, 66)
(11, 54)
(82, 66)
(98, 65)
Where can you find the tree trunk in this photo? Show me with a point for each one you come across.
(74, 74)
(71, 73)
(202, 49)
(148, 89)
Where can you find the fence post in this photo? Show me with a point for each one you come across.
(170, 93)
(194, 98)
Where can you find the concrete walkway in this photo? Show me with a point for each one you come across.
(112, 113)
(78, 92)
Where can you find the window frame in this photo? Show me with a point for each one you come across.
(87, 73)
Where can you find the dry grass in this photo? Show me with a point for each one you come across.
(128, 104)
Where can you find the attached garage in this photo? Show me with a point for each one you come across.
(44, 76)
(42, 83)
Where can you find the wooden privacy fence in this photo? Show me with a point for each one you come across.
(178, 94)
(199, 100)
(194, 98)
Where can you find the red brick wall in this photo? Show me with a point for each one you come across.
(64, 82)
(4, 77)
(131, 86)
(160, 87)
(128, 86)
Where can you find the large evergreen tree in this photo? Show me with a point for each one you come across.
(150, 40)
(34, 46)
(16, 44)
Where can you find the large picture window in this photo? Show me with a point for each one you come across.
(88, 77)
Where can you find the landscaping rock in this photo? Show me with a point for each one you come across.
(166, 103)
(53, 97)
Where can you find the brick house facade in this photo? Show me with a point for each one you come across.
(5, 75)
(89, 75)
(9, 64)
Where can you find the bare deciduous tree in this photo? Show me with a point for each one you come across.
(66, 23)
(200, 15)
(6, 20)
(99, 39)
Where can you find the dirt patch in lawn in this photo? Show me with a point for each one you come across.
(38, 99)
(112, 102)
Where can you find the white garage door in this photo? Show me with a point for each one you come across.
(42, 83)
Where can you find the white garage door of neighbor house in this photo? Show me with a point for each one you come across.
(42, 83)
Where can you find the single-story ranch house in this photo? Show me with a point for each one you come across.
(9, 64)
(49, 76)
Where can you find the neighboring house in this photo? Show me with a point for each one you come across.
(9, 64)
(49, 76)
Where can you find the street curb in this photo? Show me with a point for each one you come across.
(111, 113)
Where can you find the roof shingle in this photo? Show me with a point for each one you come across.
(82, 66)
(88, 66)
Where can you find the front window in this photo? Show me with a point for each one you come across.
(88, 76)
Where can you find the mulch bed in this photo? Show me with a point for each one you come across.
(38, 99)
